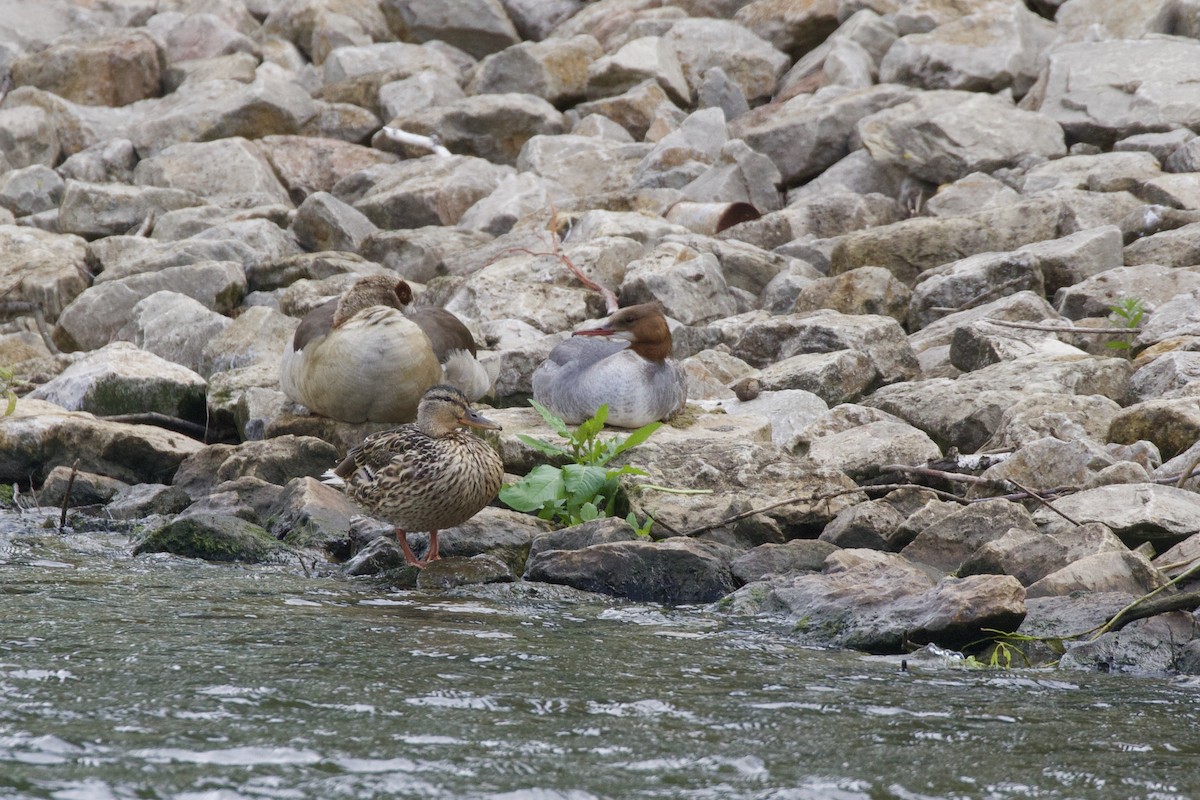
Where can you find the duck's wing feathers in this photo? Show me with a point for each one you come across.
(316, 323)
(380, 449)
(446, 332)
(583, 352)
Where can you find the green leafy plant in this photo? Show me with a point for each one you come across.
(584, 489)
(1010, 647)
(641, 529)
(1126, 314)
(6, 390)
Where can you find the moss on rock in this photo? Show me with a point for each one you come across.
(213, 538)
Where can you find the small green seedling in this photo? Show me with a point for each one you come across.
(1126, 314)
(6, 391)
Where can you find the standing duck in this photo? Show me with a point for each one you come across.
(453, 345)
(632, 372)
(358, 358)
(424, 476)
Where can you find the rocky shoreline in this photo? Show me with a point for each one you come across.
(887, 233)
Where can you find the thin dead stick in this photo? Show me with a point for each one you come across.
(416, 140)
(1165, 568)
(62, 519)
(147, 226)
(5, 84)
(176, 424)
(1126, 614)
(1034, 326)
(1043, 501)
(930, 472)
(995, 291)
(1185, 601)
(1187, 473)
(610, 297)
(18, 306)
(816, 499)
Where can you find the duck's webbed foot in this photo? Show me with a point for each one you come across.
(409, 556)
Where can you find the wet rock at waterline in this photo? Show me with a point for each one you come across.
(876, 249)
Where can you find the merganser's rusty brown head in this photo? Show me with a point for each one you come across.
(643, 325)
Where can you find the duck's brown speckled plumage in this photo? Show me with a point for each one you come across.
(426, 475)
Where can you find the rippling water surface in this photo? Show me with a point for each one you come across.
(165, 678)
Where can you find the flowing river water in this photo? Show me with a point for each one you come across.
(159, 677)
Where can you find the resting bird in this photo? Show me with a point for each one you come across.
(453, 345)
(632, 371)
(424, 476)
(358, 358)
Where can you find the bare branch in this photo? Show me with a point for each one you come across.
(610, 297)
(416, 140)
(929, 472)
(1034, 326)
(816, 498)
(18, 306)
(147, 226)
(1034, 495)
(62, 519)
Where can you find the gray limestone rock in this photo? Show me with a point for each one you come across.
(120, 379)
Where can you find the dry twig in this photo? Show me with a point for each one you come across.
(816, 498)
(19, 306)
(183, 426)
(415, 139)
(1034, 326)
(62, 518)
(610, 297)
(1036, 496)
(1141, 608)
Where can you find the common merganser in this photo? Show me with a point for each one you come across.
(358, 358)
(425, 476)
(632, 372)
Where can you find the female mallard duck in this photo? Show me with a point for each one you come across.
(358, 358)
(424, 476)
(632, 372)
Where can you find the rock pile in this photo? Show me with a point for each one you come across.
(887, 233)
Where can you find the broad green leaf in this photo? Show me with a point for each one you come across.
(583, 481)
(543, 483)
(588, 512)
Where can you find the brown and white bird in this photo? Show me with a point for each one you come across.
(424, 476)
(632, 372)
(358, 358)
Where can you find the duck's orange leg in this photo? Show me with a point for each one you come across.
(409, 556)
(432, 555)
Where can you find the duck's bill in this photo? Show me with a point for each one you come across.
(595, 332)
(473, 419)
